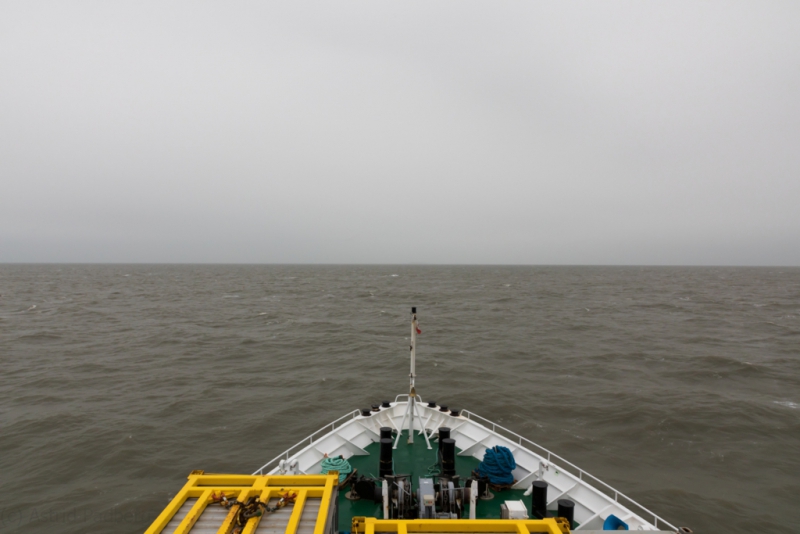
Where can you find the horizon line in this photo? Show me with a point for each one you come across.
(420, 264)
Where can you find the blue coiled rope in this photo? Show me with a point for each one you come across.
(337, 464)
(497, 464)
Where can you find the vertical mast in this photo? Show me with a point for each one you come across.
(412, 394)
(411, 406)
(413, 374)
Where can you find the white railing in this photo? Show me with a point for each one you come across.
(581, 473)
(407, 396)
(309, 440)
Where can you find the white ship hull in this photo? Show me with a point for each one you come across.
(349, 435)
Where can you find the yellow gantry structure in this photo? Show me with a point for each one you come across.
(371, 525)
(202, 491)
(311, 510)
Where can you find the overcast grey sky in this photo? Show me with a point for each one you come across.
(400, 132)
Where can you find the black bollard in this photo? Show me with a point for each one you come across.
(386, 432)
(385, 468)
(566, 508)
(539, 500)
(448, 447)
(444, 433)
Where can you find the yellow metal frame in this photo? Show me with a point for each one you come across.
(241, 488)
(371, 525)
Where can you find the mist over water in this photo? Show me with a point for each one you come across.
(678, 386)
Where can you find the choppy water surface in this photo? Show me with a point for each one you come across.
(678, 386)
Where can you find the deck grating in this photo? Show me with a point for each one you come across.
(275, 522)
(208, 523)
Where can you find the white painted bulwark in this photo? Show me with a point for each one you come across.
(594, 500)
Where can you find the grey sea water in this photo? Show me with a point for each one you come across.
(678, 386)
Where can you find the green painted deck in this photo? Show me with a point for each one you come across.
(415, 460)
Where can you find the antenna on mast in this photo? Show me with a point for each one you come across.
(411, 407)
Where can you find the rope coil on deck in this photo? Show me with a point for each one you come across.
(497, 464)
(337, 464)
